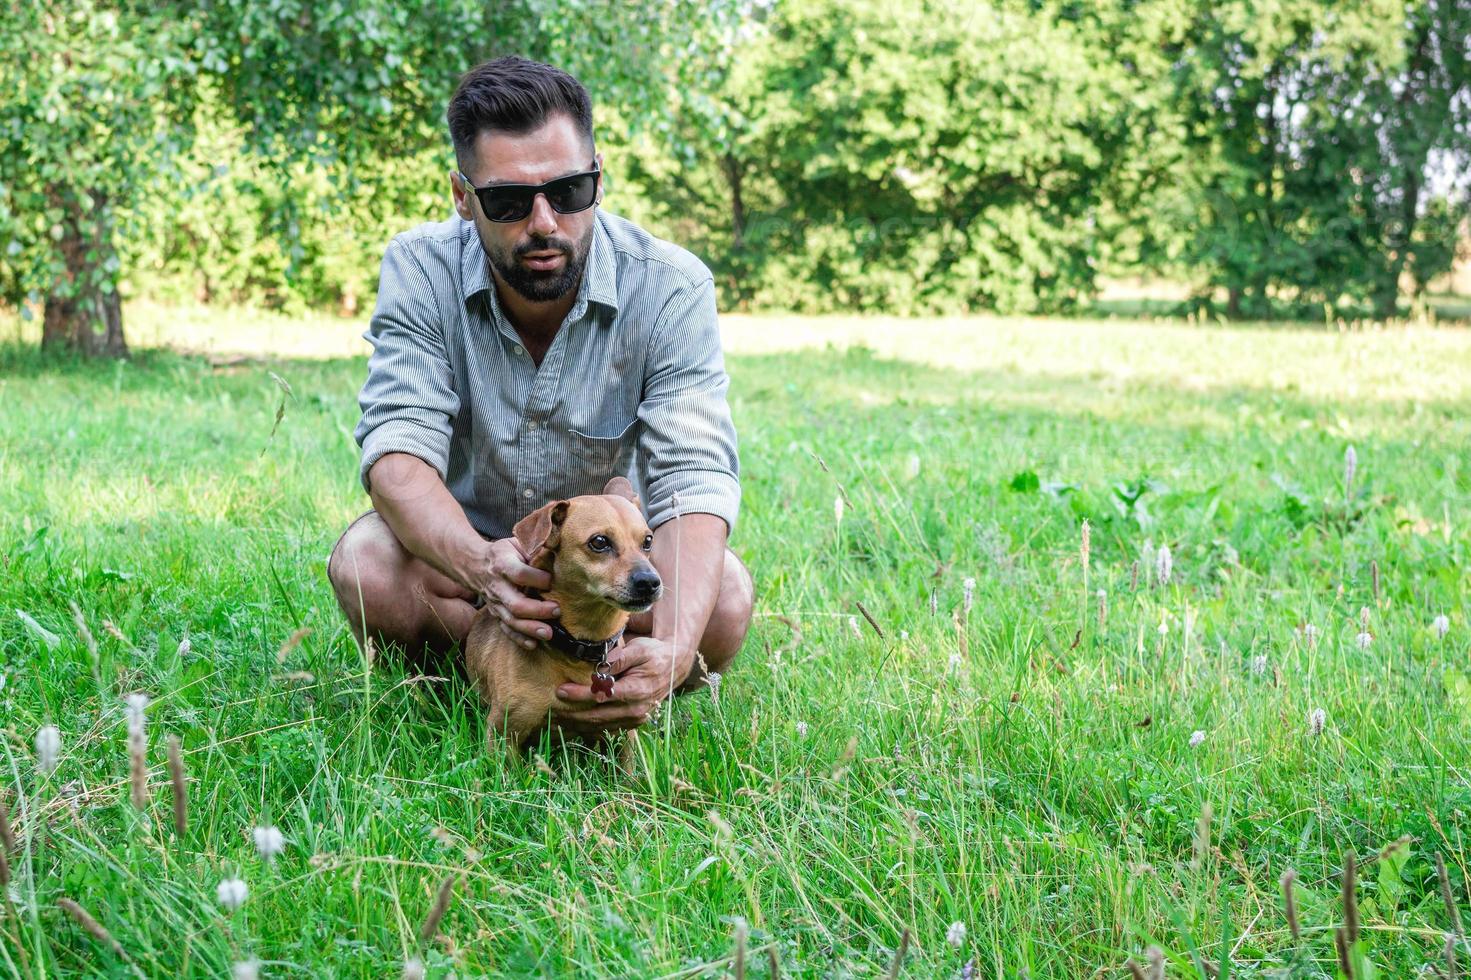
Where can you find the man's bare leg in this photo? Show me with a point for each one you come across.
(388, 594)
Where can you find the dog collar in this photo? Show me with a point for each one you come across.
(588, 652)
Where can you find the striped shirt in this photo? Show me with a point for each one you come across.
(634, 382)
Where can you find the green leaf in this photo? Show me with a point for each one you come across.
(1025, 482)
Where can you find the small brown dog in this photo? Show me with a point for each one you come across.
(596, 548)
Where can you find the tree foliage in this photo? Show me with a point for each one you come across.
(918, 157)
(1313, 127)
(912, 158)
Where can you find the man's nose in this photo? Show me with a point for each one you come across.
(543, 218)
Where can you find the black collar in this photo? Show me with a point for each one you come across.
(588, 652)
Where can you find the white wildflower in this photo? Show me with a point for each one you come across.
(955, 662)
(1164, 627)
(967, 594)
(1311, 634)
(1316, 720)
(137, 750)
(838, 509)
(1441, 625)
(955, 935)
(268, 843)
(48, 749)
(911, 468)
(903, 635)
(232, 893)
(245, 970)
(413, 969)
(1350, 466)
(853, 628)
(801, 729)
(1259, 664)
(184, 647)
(1365, 639)
(1164, 564)
(713, 679)
(1197, 737)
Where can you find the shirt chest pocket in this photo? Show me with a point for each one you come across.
(607, 453)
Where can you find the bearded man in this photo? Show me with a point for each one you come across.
(528, 349)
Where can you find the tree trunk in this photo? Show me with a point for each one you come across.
(1386, 297)
(734, 172)
(1233, 302)
(1416, 150)
(83, 311)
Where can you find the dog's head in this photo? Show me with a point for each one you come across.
(595, 546)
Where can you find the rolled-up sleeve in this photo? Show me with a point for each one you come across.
(408, 401)
(687, 442)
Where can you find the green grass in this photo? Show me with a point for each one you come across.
(1027, 772)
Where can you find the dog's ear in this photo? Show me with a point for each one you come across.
(620, 487)
(539, 533)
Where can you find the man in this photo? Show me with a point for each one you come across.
(525, 351)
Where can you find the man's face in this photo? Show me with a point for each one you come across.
(540, 257)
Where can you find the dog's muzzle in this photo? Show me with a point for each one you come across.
(642, 589)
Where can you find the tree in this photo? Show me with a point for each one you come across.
(1312, 126)
(1409, 122)
(82, 135)
(914, 158)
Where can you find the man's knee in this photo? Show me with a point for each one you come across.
(731, 617)
(364, 563)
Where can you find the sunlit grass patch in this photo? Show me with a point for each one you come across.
(1019, 756)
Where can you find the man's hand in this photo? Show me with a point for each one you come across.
(647, 670)
(414, 502)
(500, 573)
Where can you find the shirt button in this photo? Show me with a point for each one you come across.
(526, 493)
(519, 349)
(531, 425)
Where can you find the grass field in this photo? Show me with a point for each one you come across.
(1072, 779)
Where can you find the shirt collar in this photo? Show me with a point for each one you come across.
(599, 277)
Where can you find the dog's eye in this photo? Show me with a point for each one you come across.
(648, 542)
(599, 542)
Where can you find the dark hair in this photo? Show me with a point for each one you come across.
(513, 95)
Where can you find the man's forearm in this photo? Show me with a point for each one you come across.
(427, 520)
(689, 553)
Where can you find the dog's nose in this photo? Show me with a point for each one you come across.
(644, 583)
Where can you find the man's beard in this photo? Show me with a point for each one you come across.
(541, 287)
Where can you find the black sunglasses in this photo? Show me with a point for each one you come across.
(512, 202)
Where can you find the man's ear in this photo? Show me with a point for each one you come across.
(539, 534)
(461, 191)
(620, 487)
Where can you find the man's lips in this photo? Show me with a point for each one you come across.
(543, 261)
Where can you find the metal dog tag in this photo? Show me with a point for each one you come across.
(602, 680)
